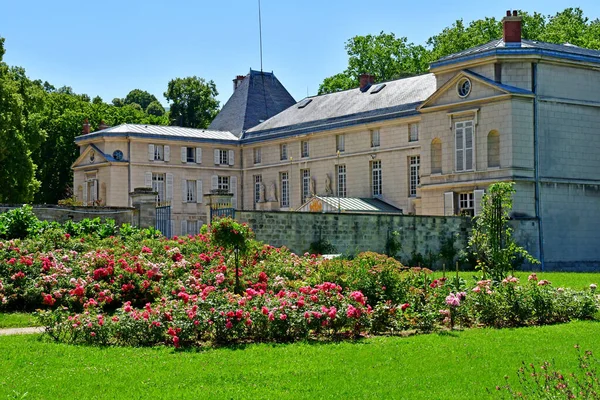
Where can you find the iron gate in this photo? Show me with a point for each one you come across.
(221, 212)
(163, 219)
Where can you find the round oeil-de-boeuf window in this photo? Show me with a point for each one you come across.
(463, 87)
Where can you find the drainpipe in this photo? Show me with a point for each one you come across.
(242, 174)
(536, 164)
(129, 170)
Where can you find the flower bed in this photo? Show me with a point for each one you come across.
(140, 289)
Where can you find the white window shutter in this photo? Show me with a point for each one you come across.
(184, 155)
(477, 200)
(169, 184)
(449, 203)
(184, 227)
(85, 193)
(150, 152)
(199, 193)
(183, 191)
(217, 157)
(198, 155)
(469, 159)
(148, 179)
(172, 228)
(231, 159)
(233, 190)
(167, 153)
(214, 182)
(459, 142)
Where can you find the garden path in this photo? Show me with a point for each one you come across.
(21, 331)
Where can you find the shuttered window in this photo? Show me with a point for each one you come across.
(464, 142)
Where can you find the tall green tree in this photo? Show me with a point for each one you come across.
(18, 132)
(140, 97)
(193, 102)
(155, 108)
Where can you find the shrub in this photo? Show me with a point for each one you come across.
(18, 223)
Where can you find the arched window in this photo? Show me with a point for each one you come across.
(436, 156)
(493, 149)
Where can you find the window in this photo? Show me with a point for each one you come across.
(223, 183)
(159, 152)
(463, 87)
(414, 163)
(283, 151)
(285, 190)
(413, 132)
(436, 156)
(257, 189)
(192, 228)
(464, 146)
(190, 191)
(493, 149)
(304, 150)
(340, 143)
(223, 160)
(341, 181)
(90, 196)
(375, 138)
(466, 203)
(158, 185)
(376, 178)
(190, 154)
(257, 155)
(305, 173)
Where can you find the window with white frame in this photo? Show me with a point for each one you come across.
(192, 228)
(91, 188)
(257, 188)
(285, 189)
(190, 191)
(414, 164)
(413, 132)
(257, 155)
(159, 152)
(223, 183)
(158, 186)
(283, 151)
(464, 145)
(305, 184)
(341, 181)
(375, 138)
(223, 157)
(304, 149)
(376, 178)
(190, 154)
(466, 203)
(340, 144)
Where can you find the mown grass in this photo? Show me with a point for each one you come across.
(573, 280)
(456, 365)
(17, 320)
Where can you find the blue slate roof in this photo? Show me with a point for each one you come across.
(334, 110)
(259, 97)
(491, 82)
(527, 47)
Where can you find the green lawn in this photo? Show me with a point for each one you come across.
(573, 280)
(437, 366)
(17, 320)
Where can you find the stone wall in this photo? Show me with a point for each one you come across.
(121, 215)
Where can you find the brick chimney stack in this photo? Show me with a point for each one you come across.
(366, 80)
(102, 126)
(511, 27)
(86, 127)
(238, 81)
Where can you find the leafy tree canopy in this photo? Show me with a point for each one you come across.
(389, 57)
(193, 102)
(140, 97)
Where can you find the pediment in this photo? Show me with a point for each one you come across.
(480, 88)
(90, 156)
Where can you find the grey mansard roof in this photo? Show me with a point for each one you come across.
(259, 97)
(398, 98)
(162, 132)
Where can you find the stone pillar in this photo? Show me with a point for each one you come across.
(217, 200)
(144, 202)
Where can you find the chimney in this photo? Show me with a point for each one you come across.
(366, 80)
(511, 27)
(102, 125)
(86, 127)
(238, 81)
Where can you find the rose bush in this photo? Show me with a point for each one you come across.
(137, 288)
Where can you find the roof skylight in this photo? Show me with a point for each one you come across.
(304, 103)
(378, 88)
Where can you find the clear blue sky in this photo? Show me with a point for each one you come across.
(109, 47)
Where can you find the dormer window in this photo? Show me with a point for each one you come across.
(463, 87)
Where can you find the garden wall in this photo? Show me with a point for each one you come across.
(352, 233)
(121, 215)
